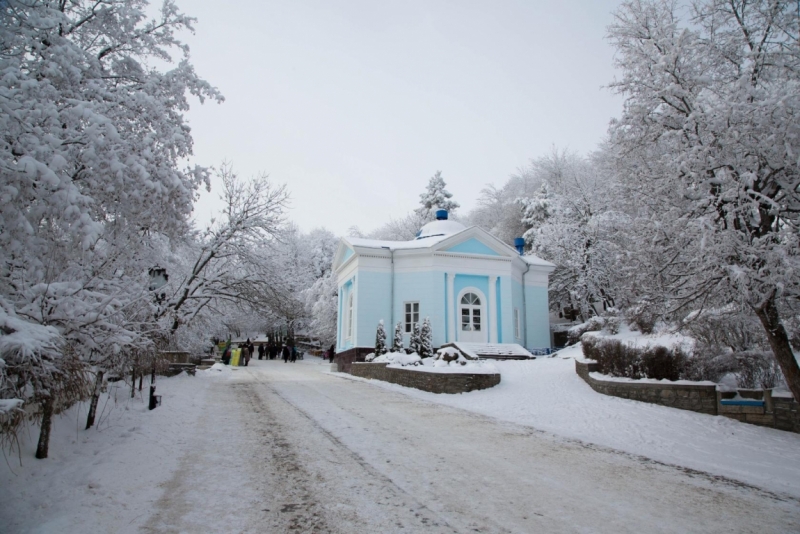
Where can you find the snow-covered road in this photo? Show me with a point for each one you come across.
(291, 447)
(321, 453)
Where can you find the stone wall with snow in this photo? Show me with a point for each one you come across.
(432, 382)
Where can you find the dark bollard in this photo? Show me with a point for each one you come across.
(155, 400)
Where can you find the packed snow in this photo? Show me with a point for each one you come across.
(547, 394)
(276, 446)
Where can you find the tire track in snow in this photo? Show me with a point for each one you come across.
(417, 512)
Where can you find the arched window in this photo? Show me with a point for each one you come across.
(470, 313)
(348, 327)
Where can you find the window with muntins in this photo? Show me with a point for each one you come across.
(470, 313)
(411, 315)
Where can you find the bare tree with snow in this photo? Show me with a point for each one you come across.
(707, 147)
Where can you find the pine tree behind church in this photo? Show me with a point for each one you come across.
(426, 339)
(436, 197)
(380, 340)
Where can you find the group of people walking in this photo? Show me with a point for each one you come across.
(287, 351)
(271, 350)
(246, 351)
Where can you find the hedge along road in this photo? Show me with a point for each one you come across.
(316, 452)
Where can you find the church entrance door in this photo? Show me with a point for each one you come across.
(472, 326)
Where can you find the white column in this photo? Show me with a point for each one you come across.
(355, 313)
(451, 308)
(492, 309)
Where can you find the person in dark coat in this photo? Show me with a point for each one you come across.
(260, 351)
(286, 353)
(332, 352)
(294, 353)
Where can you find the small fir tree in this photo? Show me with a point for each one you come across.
(426, 339)
(415, 343)
(380, 340)
(397, 343)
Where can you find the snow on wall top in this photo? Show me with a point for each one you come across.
(476, 350)
(533, 260)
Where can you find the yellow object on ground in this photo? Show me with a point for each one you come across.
(235, 355)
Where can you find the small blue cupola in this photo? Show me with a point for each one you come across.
(441, 215)
(519, 244)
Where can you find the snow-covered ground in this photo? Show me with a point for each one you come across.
(548, 395)
(277, 447)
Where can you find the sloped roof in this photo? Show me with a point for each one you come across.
(451, 234)
(396, 245)
(444, 227)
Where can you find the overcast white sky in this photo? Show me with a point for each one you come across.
(355, 104)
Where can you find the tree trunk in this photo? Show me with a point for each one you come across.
(98, 383)
(779, 341)
(44, 432)
(133, 381)
(141, 378)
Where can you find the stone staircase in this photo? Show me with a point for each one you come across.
(206, 363)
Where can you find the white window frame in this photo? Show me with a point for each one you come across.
(408, 310)
(473, 308)
(517, 329)
(348, 327)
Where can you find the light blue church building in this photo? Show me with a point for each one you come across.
(472, 286)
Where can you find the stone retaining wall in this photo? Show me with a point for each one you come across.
(432, 382)
(782, 413)
(346, 358)
(695, 398)
(778, 412)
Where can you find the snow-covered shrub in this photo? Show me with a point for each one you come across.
(725, 329)
(642, 317)
(616, 358)
(415, 342)
(710, 365)
(380, 340)
(757, 369)
(664, 363)
(611, 321)
(595, 324)
(426, 339)
(731, 340)
(397, 342)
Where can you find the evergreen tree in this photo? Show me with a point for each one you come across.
(415, 343)
(380, 340)
(397, 344)
(436, 197)
(426, 339)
